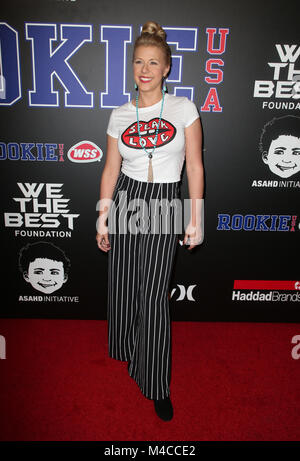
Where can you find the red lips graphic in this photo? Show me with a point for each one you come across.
(166, 133)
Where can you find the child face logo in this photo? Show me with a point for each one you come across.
(46, 275)
(283, 156)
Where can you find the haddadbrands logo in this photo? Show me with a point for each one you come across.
(266, 290)
(85, 152)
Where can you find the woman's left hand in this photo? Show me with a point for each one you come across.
(193, 236)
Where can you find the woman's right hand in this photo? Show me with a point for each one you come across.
(103, 242)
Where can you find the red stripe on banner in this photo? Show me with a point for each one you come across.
(266, 285)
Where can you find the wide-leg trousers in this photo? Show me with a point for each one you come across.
(143, 245)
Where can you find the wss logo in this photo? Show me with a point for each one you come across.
(85, 152)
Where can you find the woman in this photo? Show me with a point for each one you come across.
(150, 136)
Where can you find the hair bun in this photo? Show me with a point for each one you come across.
(154, 35)
(152, 28)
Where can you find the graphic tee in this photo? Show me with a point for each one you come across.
(169, 155)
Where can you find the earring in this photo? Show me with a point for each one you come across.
(135, 86)
(165, 89)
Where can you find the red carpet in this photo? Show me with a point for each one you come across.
(230, 381)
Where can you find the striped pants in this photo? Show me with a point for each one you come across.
(139, 270)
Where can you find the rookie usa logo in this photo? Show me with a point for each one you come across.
(32, 152)
(81, 152)
(258, 223)
(51, 45)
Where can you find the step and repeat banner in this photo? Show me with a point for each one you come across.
(64, 66)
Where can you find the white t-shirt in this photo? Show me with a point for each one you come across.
(168, 157)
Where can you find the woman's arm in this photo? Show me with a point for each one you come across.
(107, 184)
(195, 174)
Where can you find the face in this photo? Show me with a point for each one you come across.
(46, 275)
(283, 156)
(149, 68)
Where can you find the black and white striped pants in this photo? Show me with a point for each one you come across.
(139, 270)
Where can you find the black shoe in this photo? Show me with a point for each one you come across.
(164, 409)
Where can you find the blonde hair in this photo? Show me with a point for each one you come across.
(154, 35)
